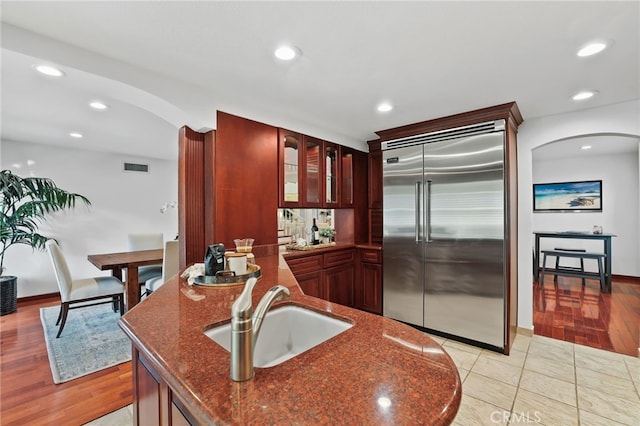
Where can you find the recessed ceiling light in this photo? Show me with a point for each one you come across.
(76, 135)
(586, 94)
(98, 105)
(49, 70)
(592, 49)
(385, 107)
(286, 53)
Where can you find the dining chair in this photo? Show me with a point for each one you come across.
(170, 267)
(150, 241)
(83, 290)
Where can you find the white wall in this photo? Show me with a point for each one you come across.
(619, 216)
(618, 119)
(122, 203)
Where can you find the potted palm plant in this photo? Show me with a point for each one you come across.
(24, 203)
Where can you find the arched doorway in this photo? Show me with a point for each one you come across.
(567, 310)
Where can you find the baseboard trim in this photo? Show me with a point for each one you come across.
(626, 278)
(525, 331)
(38, 297)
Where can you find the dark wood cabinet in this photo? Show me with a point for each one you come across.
(338, 257)
(313, 173)
(146, 394)
(313, 176)
(331, 175)
(347, 158)
(375, 176)
(339, 276)
(245, 149)
(308, 273)
(291, 171)
(329, 276)
(368, 284)
(311, 284)
(375, 193)
(154, 403)
(375, 226)
(338, 284)
(217, 195)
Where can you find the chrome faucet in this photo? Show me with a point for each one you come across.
(245, 327)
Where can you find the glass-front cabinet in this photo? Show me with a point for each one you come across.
(291, 170)
(332, 171)
(312, 172)
(346, 177)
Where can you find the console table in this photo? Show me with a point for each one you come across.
(606, 239)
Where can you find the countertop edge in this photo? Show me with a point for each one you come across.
(184, 390)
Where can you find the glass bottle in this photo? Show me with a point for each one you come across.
(315, 240)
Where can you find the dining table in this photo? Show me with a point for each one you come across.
(575, 235)
(131, 261)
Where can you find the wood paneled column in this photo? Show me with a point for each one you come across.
(195, 180)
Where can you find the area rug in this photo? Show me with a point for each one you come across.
(91, 341)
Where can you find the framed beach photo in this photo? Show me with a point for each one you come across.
(581, 196)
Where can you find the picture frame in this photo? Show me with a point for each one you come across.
(576, 196)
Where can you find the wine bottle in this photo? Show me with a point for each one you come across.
(315, 237)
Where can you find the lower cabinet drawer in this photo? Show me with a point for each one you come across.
(340, 257)
(370, 256)
(305, 264)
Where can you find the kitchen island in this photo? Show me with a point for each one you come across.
(377, 372)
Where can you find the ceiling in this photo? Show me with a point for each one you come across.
(161, 65)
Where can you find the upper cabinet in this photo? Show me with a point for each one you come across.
(314, 173)
(291, 171)
(346, 176)
(332, 175)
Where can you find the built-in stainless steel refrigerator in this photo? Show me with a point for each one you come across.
(444, 232)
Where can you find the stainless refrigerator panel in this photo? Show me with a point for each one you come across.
(403, 268)
(464, 293)
(464, 287)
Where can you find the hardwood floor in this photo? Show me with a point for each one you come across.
(28, 395)
(588, 317)
(27, 392)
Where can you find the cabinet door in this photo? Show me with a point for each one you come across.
(331, 175)
(146, 394)
(346, 177)
(177, 417)
(375, 180)
(368, 291)
(338, 284)
(313, 166)
(311, 283)
(375, 226)
(290, 170)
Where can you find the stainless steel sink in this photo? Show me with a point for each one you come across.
(286, 332)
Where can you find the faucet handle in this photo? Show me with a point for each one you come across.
(242, 307)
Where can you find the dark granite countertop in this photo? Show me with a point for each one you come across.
(377, 372)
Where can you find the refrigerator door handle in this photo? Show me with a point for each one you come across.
(418, 237)
(427, 211)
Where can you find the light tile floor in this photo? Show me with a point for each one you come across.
(548, 382)
(544, 381)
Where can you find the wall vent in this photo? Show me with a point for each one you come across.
(443, 135)
(133, 167)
